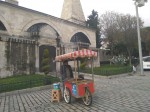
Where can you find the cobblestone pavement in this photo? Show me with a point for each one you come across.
(123, 94)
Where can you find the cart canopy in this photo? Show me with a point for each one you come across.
(76, 54)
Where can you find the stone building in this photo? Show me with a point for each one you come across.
(25, 33)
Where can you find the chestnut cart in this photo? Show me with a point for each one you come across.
(78, 87)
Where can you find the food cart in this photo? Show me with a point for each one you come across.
(76, 87)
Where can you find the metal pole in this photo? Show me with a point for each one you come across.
(139, 39)
(92, 69)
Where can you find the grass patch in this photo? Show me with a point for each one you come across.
(108, 70)
(25, 81)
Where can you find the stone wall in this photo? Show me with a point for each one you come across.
(3, 61)
(18, 19)
(18, 55)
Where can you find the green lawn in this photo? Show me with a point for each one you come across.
(108, 70)
(25, 81)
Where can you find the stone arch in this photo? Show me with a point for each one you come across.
(43, 41)
(81, 31)
(7, 26)
(42, 30)
(36, 21)
(80, 37)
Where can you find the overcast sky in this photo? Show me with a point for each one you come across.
(54, 7)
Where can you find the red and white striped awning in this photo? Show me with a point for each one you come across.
(76, 54)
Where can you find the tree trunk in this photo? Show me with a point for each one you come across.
(129, 53)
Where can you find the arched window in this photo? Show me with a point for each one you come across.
(42, 29)
(80, 37)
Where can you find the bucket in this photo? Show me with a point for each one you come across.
(56, 86)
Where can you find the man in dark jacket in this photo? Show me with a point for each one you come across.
(66, 71)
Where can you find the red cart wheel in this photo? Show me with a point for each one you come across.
(87, 99)
(67, 95)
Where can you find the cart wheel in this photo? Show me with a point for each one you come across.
(67, 95)
(87, 99)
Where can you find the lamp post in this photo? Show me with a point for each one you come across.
(139, 3)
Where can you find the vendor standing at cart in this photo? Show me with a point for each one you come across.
(66, 71)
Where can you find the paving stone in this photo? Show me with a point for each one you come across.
(57, 110)
(84, 110)
(121, 94)
(2, 106)
(51, 110)
(78, 111)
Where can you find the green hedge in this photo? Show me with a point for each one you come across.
(25, 81)
(109, 70)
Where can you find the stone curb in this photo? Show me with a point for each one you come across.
(28, 90)
(108, 77)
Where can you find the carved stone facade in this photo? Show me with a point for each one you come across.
(23, 31)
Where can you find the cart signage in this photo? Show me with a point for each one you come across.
(74, 90)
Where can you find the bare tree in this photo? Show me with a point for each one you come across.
(109, 25)
(128, 28)
(145, 35)
(120, 28)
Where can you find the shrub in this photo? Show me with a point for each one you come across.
(110, 70)
(119, 60)
(82, 66)
(45, 61)
(25, 81)
(104, 62)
